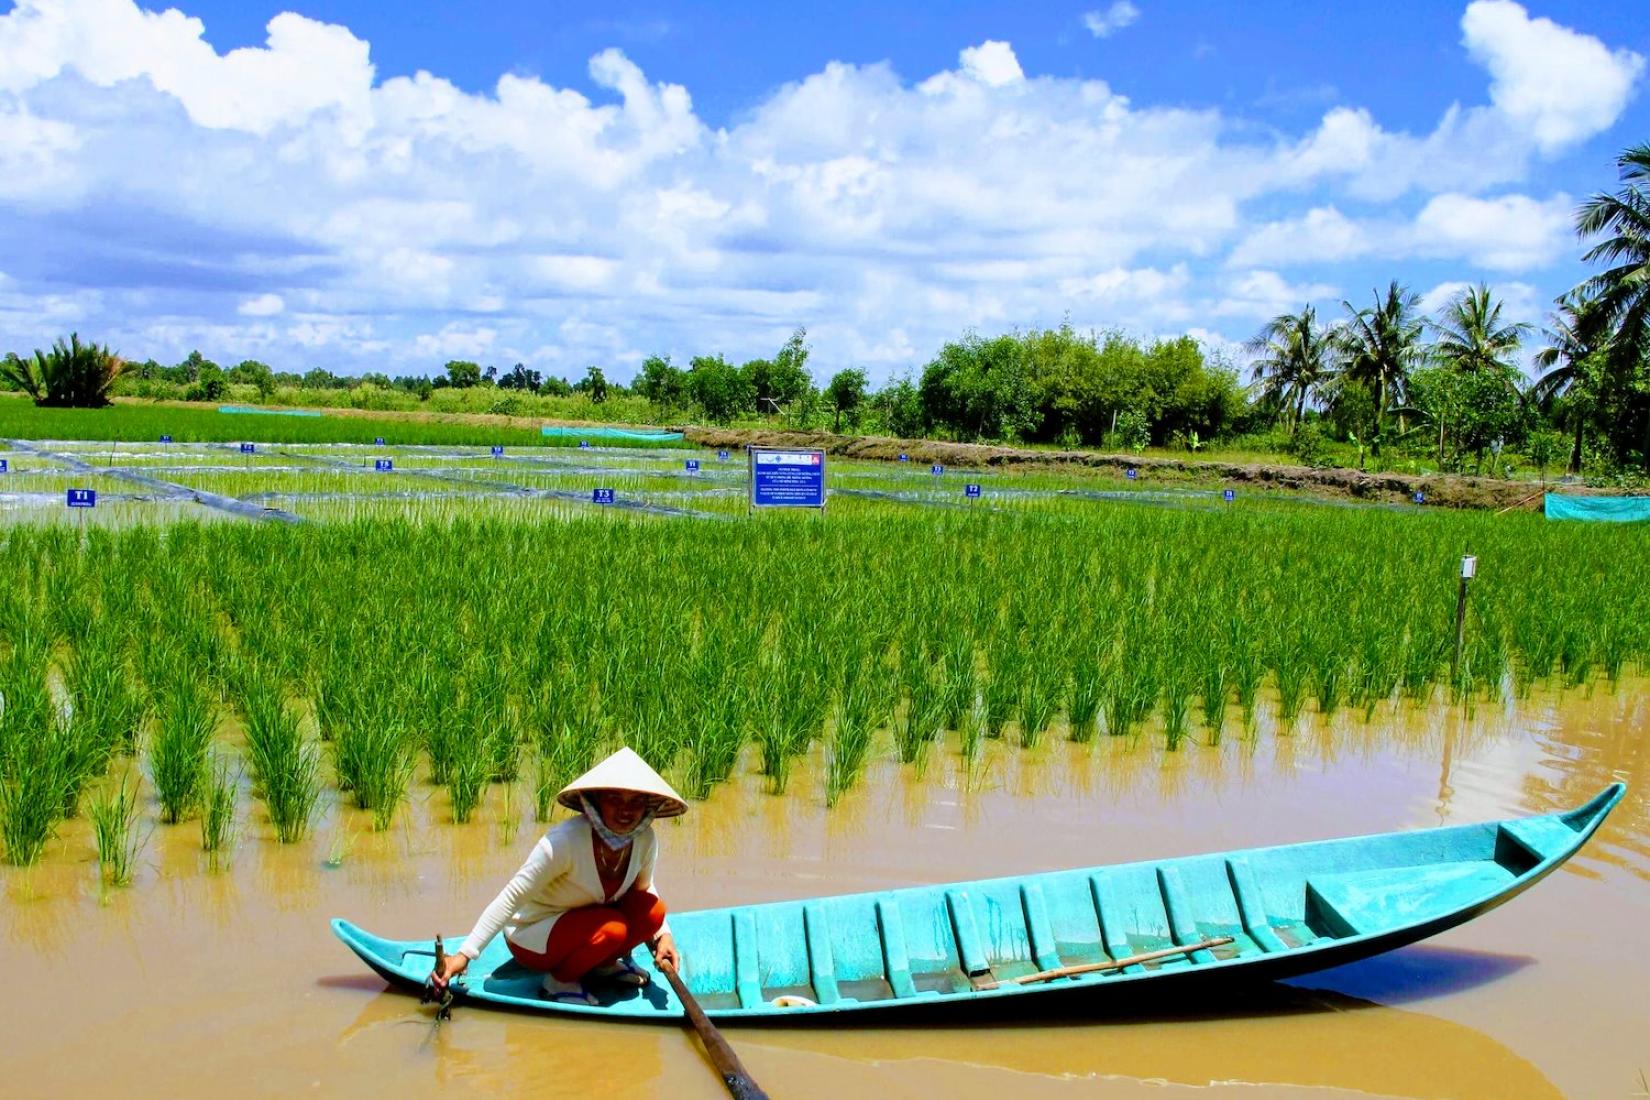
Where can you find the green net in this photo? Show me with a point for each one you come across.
(628, 435)
(1598, 509)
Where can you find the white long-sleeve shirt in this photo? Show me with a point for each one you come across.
(560, 874)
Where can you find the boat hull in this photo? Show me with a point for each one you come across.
(1290, 910)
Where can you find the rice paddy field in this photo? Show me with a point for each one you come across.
(250, 691)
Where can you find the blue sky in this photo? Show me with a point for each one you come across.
(382, 187)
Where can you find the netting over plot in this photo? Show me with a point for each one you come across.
(632, 434)
(1598, 509)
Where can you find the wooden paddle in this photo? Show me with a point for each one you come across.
(739, 1083)
(1117, 964)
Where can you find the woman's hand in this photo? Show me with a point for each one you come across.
(665, 953)
(449, 969)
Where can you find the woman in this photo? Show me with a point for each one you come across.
(585, 897)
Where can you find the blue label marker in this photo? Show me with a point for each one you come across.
(1132, 474)
(3, 466)
(971, 490)
(691, 465)
(378, 441)
(904, 457)
(583, 446)
(936, 469)
(82, 498)
(1420, 497)
(1228, 496)
(721, 456)
(601, 496)
(166, 439)
(383, 465)
(498, 452)
(248, 448)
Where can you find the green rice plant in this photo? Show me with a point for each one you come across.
(1177, 705)
(39, 770)
(856, 720)
(218, 813)
(114, 813)
(466, 780)
(106, 700)
(1213, 694)
(1039, 697)
(962, 679)
(286, 769)
(178, 752)
(1002, 689)
(1084, 689)
(380, 756)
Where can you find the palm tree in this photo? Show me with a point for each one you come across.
(1471, 337)
(1623, 289)
(71, 375)
(1571, 362)
(1293, 361)
(1379, 346)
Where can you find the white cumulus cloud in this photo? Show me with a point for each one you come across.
(992, 63)
(1563, 86)
(261, 305)
(1103, 22)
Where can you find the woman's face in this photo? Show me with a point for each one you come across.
(621, 810)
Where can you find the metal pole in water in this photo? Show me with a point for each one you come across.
(1469, 569)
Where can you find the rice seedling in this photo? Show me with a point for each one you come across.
(39, 769)
(114, 813)
(286, 769)
(218, 813)
(466, 781)
(178, 752)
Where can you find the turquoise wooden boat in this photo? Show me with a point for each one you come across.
(1288, 910)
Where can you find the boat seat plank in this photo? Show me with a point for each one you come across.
(970, 947)
(746, 976)
(1108, 909)
(1542, 837)
(895, 959)
(1251, 908)
(1038, 929)
(821, 962)
(1177, 905)
(1355, 902)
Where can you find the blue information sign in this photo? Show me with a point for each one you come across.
(1420, 497)
(904, 457)
(721, 456)
(601, 496)
(248, 448)
(383, 465)
(1228, 496)
(936, 469)
(583, 446)
(1132, 474)
(82, 498)
(166, 439)
(3, 466)
(498, 452)
(787, 479)
(691, 465)
(378, 441)
(971, 490)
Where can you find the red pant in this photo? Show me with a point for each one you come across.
(583, 939)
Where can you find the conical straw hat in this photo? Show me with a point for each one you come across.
(624, 771)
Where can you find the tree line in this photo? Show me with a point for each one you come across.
(1384, 372)
(1378, 377)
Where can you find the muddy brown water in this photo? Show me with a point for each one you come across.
(191, 983)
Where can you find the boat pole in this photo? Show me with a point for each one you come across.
(1469, 569)
(734, 1075)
